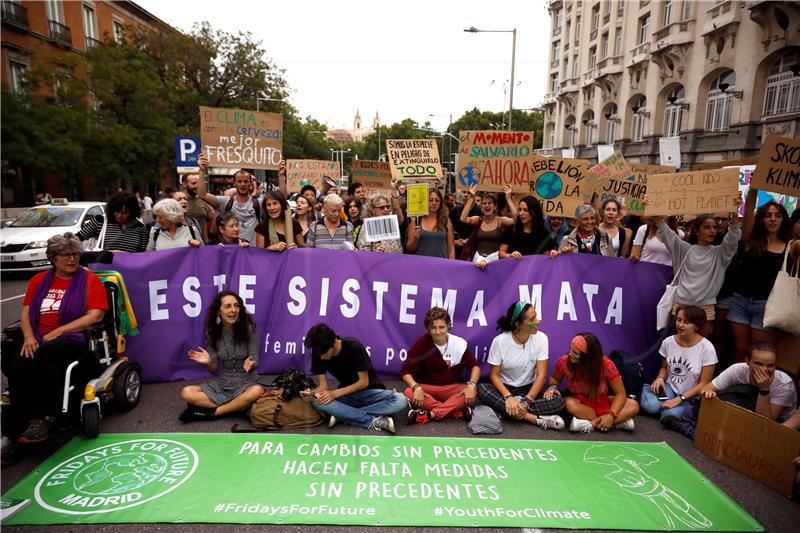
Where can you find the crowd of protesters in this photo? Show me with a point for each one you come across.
(724, 268)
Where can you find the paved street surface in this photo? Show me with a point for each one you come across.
(160, 405)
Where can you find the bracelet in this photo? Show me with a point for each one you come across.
(552, 387)
(612, 413)
(475, 385)
(507, 396)
(415, 387)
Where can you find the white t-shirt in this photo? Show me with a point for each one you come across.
(518, 363)
(454, 350)
(781, 391)
(684, 365)
(653, 251)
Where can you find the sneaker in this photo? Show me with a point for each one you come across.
(628, 425)
(332, 421)
(382, 423)
(5, 397)
(11, 453)
(550, 422)
(38, 430)
(676, 424)
(418, 416)
(579, 425)
(197, 414)
(463, 414)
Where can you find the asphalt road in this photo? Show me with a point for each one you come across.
(160, 405)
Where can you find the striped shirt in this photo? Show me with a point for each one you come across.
(131, 239)
(318, 236)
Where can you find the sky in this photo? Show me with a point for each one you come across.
(407, 59)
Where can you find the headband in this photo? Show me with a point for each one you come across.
(579, 343)
(517, 311)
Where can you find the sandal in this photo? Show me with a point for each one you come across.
(38, 430)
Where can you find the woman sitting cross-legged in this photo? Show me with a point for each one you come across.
(232, 345)
(688, 366)
(433, 373)
(590, 377)
(518, 370)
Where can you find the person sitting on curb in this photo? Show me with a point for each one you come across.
(756, 385)
(361, 400)
(433, 371)
(590, 376)
(518, 370)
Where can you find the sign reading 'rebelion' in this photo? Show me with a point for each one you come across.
(238, 138)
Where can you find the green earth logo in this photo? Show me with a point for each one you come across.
(549, 185)
(116, 476)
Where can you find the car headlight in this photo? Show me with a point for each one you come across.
(38, 244)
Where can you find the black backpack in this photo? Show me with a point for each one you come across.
(631, 371)
(293, 381)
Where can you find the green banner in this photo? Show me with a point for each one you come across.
(372, 480)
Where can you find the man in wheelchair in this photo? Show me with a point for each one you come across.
(60, 304)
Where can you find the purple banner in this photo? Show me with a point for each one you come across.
(381, 299)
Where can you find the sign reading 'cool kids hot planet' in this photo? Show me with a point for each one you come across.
(370, 480)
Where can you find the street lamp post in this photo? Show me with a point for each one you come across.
(261, 98)
(473, 29)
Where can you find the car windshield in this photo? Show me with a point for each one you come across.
(44, 217)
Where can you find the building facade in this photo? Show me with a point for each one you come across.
(720, 75)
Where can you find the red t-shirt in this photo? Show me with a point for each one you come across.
(48, 312)
(579, 387)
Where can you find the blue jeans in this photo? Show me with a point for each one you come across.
(652, 405)
(361, 407)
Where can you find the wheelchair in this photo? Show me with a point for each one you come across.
(119, 386)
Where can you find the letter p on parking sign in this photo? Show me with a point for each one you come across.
(187, 150)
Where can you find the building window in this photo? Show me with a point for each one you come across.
(551, 138)
(90, 27)
(556, 51)
(637, 121)
(783, 87)
(119, 32)
(588, 122)
(687, 10)
(55, 11)
(592, 56)
(604, 46)
(667, 13)
(571, 135)
(17, 72)
(618, 42)
(673, 113)
(595, 17)
(577, 28)
(612, 123)
(718, 106)
(644, 29)
(559, 18)
(554, 82)
(566, 32)
(575, 66)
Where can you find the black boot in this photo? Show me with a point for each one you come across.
(193, 413)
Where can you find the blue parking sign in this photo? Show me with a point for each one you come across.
(187, 150)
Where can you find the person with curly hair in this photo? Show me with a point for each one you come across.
(232, 346)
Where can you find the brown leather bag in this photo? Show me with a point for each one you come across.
(272, 412)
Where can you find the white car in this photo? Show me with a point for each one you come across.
(23, 243)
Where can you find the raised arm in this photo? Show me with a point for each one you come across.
(210, 199)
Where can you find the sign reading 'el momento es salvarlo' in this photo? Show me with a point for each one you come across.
(557, 183)
(493, 159)
(778, 167)
(414, 159)
(692, 193)
(238, 138)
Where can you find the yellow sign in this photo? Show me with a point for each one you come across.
(417, 200)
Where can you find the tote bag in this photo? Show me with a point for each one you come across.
(664, 307)
(783, 305)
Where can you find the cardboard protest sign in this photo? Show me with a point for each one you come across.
(613, 178)
(557, 183)
(692, 193)
(492, 159)
(301, 172)
(414, 159)
(375, 176)
(642, 170)
(417, 204)
(745, 176)
(778, 167)
(754, 445)
(238, 138)
(727, 163)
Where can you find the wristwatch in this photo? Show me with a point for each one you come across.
(763, 392)
(682, 397)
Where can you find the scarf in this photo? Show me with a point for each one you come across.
(273, 233)
(586, 245)
(73, 304)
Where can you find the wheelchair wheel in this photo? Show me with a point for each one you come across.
(91, 420)
(127, 387)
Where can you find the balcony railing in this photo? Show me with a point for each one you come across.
(16, 13)
(91, 42)
(60, 33)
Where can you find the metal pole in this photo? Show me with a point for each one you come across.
(513, 60)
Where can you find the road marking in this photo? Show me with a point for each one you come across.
(12, 298)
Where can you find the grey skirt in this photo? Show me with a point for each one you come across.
(221, 391)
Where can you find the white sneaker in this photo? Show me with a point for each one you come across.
(628, 425)
(332, 421)
(550, 422)
(385, 423)
(579, 425)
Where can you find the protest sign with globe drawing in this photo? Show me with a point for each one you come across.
(557, 183)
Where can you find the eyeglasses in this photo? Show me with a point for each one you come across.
(381, 207)
(75, 255)
(722, 219)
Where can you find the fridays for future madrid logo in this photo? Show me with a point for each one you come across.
(116, 476)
